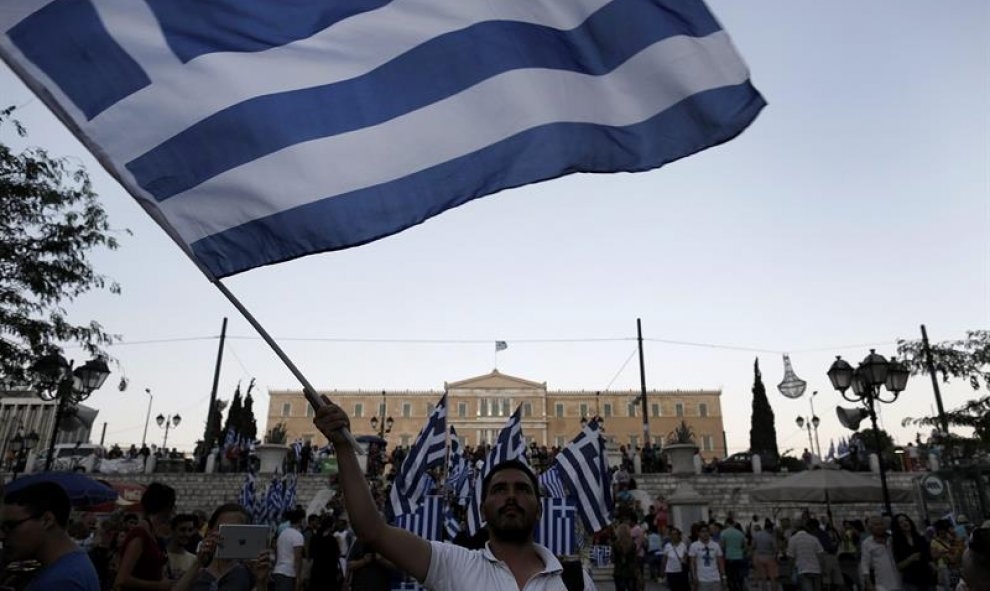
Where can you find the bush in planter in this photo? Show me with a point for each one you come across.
(682, 435)
(277, 435)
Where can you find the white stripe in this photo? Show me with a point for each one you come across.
(212, 82)
(12, 13)
(516, 101)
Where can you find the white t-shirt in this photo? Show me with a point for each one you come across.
(454, 568)
(676, 557)
(285, 558)
(706, 557)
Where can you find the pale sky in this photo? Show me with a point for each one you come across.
(854, 209)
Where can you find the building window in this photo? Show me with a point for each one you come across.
(656, 409)
(358, 410)
(559, 441)
(309, 411)
(287, 409)
(483, 407)
(702, 410)
(560, 409)
(658, 440)
(584, 410)
(706, 443)
(430, 408)
(505, 409)
(679, 409)
(527, 410)
(404, 440)
(632, 409)
(462, 409)
(308, 438)
(406, 410)
(634, 441)
(607, 410)
(529, 441)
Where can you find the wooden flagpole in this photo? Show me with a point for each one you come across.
(308, 390)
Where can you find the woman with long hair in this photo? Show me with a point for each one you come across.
(624, 559)
(142, 563)
(912, 554)
(210, 572)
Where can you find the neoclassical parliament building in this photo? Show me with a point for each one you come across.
(478, 408)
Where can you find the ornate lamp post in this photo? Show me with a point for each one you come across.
(58, 381)
(865, 382)
(165, 423)
(383, 425)
(598, 413)
(22, 445)
(812, 422)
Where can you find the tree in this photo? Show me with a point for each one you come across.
(762, 432)
(234, 414)
(248, 425)
(967, 359)
(50, 219)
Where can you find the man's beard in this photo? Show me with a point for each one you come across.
(512, 530)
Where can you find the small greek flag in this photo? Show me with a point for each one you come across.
(558, 527)
(501, 346)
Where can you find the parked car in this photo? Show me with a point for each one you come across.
(737, 462)
(80, 457)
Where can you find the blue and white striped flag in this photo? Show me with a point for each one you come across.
(509, 445)
(458, 468)
(426, 521)
(320, 126)
(289, 492)
(557, 529)
(274, 505)
(246, 498)
(584, 468)
(552, 484)
(428, 451)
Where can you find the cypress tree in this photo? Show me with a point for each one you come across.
(762, 433)
(233, 415)
(248, 426)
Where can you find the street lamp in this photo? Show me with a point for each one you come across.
(865, 382)
(57, 380)
(383, 425)
(812, 422)
(598, 413)
(165, 423)
(22, 445)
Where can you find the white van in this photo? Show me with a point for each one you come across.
(69, 457)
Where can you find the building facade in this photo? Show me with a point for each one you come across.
(479, 407)
(21, 411)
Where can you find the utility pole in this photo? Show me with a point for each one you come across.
(208, 435)
(642, 383)
(942, 420)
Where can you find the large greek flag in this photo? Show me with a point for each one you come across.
(584, 468)
(256, 131)
(429, 451)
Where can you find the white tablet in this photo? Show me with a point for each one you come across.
(242, 541)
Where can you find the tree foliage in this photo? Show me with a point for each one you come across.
(248, 424)
(234, 414)
(50, 219)
(762, 432)
(967, 359)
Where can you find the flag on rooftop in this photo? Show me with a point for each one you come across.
(256, 132)
(501, 346)
(584, 468)
(428, 451)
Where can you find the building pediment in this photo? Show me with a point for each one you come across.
(495, 381)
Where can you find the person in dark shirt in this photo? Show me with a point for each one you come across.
(32, 527)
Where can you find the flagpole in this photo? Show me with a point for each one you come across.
(308, 390)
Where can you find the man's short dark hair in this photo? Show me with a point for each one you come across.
(509, 465)
(158, 498)
(295, 515)
(183, 518)
(38, 499)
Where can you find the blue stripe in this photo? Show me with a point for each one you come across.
(68, 42)
(432, 71)
(193, 27)
(542, 153)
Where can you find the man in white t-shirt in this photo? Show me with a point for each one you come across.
(510, 503)
(707, 562)
(287, 574)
